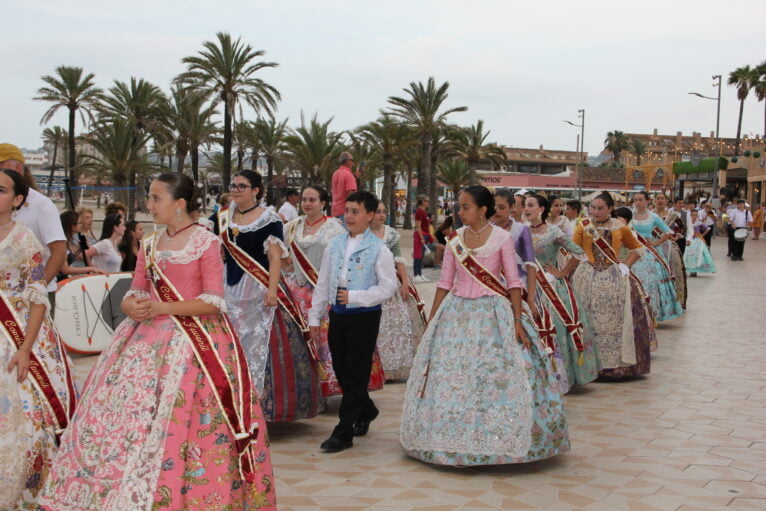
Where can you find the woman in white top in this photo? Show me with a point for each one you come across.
(558, 218)
(104, 254)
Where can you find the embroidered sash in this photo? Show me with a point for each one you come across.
(608, 252)
(652, 250)
(413, 291)
(236, 407)
(311, 274)
(572, 323)
(261, 275)
(475, 268)
(62, 412)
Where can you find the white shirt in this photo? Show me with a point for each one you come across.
(108, 257)
(385, 289)
(740, 218)
(288, 211)
(41, 216)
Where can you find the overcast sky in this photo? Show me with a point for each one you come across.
(522, 66)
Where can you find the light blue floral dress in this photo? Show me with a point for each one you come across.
(579, 370)
(657, 281)
(476, 395)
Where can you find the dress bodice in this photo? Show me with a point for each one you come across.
(646, 226)
(547, 245)
(196, 271)
(23, 270)
(313, 245)
(253, 238)
(497, 255)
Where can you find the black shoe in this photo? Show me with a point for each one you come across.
(335, 444)
(361, 427)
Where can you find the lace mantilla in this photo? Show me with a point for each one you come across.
(198, 243)
(493, 243)
(267, 217)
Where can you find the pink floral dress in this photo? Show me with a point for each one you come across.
(149, 434)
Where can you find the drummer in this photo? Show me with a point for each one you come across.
(739, 218)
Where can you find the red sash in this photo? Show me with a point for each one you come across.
(608, 252)
(236, 408)
(62, 412)
(475, 268)
(571, 321)
(413, 291)
(306, 267)
(259, 273)
(652, 250)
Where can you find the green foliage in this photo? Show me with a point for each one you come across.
(706, 165)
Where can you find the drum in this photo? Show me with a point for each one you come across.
(88, 310)
(740, 234)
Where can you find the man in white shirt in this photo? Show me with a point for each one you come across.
(288, 211)
(41, 216)
(739, 218)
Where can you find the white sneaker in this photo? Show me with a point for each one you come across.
(423, 278)
(417, 278)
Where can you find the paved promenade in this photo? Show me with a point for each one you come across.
(691, 435)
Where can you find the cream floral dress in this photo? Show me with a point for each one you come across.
(27, 426)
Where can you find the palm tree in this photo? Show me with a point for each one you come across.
(390, 137)
(143, 104)
(55, 137)
(367, 158)
(743, 78)
(271, 136)
(760, 90)
(119, 145)
(76, 92)
(471, 145)
(314, 149)
(639, 149)
(224, 71)
(616, 142)
(455, 173)
(421, 110)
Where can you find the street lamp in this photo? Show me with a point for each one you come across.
(717, 130)
(581, 116)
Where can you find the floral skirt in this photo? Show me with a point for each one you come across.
(328, 382)
(291, 384)
(697, 258)
(659, 286)
(676, 262)
(396, 340)
(581, 367)
(148, 432)
(476, 396)
(27, 426)
(622, 321)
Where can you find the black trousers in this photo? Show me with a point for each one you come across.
(737, 247)
(709, 236)
(681, 245)
(732, 241)
(352, 340)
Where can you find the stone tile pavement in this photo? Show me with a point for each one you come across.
(690, 436)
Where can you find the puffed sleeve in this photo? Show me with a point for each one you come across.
(525, 247)
(562, 240)
(211, 269)
(447, 276)
(510, 269)
(579, 232)
(35, 289)
(660, 224)
(275, 236)
(141, 285)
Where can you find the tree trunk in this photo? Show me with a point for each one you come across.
(195, 162)
(391, 205)
(170, 161)
(424, 169)
(180, 160)
(53, 167)
(764, 118)
(473, 176)
(226, 175)
(240, 158)
(72, 157)
(434, 182)
(269, 180)
(387, 187)
(739, 127)
(132, 190)
(407, 221)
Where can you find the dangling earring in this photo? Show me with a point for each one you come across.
(178, 216)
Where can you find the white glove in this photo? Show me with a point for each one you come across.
(624, 269)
